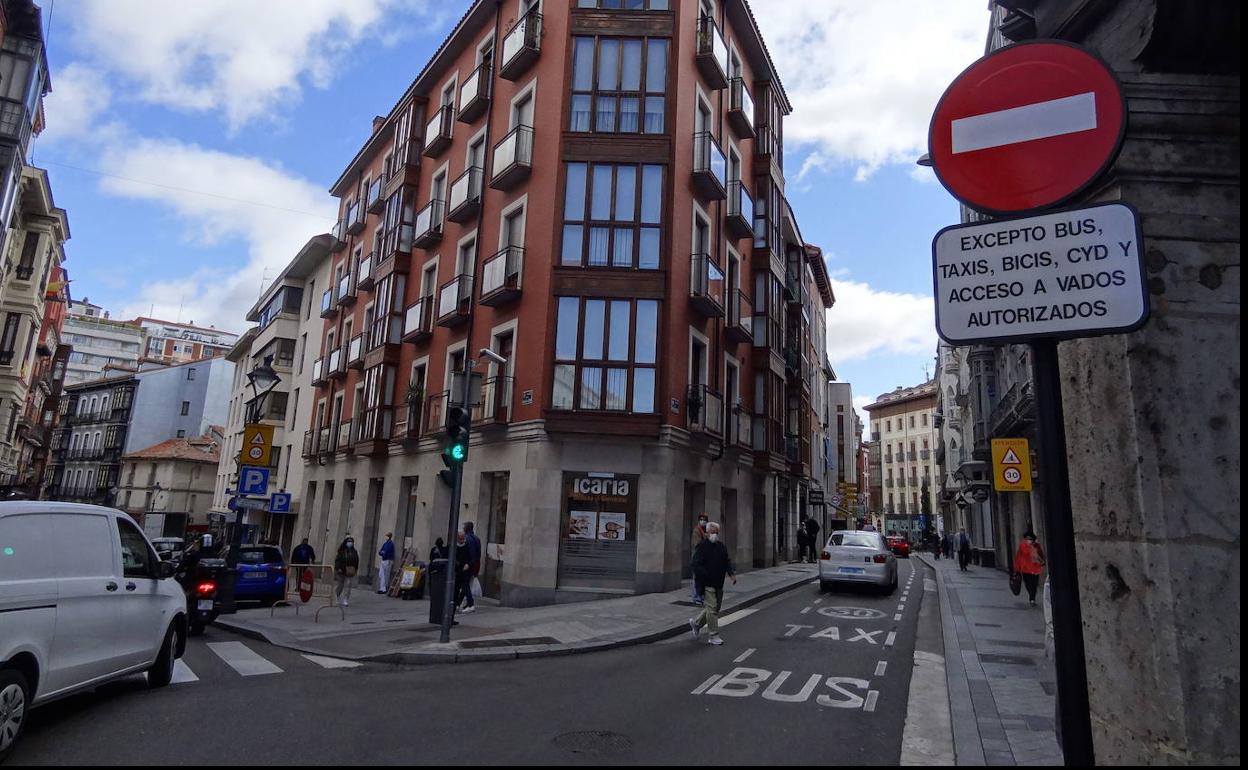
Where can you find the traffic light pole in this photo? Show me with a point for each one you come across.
(457, 490)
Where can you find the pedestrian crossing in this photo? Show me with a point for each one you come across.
(203, 661)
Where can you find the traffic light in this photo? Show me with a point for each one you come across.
(458, 424)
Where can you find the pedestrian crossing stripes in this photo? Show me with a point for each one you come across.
(242, 659)
(325, 662)
(182, 673)
(735, 616)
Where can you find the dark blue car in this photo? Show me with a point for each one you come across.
(261, 574)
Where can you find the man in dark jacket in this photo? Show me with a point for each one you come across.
(474, 547)
(711, 564)
(463, 573)
(964, 550)
(303, 554)
(812, 538)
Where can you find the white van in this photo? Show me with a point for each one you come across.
(83, 600)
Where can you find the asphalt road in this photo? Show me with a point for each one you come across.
(805, 678)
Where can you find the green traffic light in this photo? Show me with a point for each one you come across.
(458, 452)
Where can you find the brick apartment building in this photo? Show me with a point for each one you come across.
(597, 195)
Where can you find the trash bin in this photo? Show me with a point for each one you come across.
(437, 590)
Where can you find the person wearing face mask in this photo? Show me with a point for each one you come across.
(699, 534)
(346, 564)
(711, 565)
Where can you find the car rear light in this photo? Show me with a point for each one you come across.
(825, 556)
(880, 558)
(206, 588)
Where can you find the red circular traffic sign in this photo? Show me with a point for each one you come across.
(307, 583)
(1027, 127)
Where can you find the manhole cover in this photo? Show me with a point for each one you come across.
(594, 742)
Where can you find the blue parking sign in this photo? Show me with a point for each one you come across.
(253, 480)
(279, 502)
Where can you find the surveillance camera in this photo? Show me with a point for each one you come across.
(490, 354)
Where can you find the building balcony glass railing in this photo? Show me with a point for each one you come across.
(740, 317)
(495, 405)
(346, 289)
(521, 45)
(336, 363)
(740, 211)
(355, 352)
(710, 167)
(706, 286)
(465, 198)
(740, 107)
(318, 372)
(355, 218)
(364, 272)
(438, 131)
(374, 200)
(513, 158)
(705, 409)
(374, 429)
(427, 230)
(712, 54)
(454, 300)
(418, 320)
(474, 94)
(500, 276)
(329, 308)
(338, 236)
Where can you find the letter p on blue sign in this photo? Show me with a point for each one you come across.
(253, 481)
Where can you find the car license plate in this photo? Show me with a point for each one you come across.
(205, 604)
(256, 575)
(852, 570)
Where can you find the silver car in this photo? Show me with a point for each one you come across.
(857, 557)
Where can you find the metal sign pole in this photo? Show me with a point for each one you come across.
(453, 520)
(1072, 676)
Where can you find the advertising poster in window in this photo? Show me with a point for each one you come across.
(598, 548)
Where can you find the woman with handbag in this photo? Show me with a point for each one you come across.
(1029, 563)
(346, 564)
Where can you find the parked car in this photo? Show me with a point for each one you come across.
(857, 557)
(261, 573)
(84, 599)
(899, 545)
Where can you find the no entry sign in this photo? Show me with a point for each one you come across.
(1027, 127)
(1074, 273)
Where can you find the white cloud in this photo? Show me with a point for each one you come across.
(270, 235)
(81, 95)
(864, 77)
(866, 322)
(244, 59)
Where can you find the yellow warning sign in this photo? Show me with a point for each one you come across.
(257, 444)
(1011, 465)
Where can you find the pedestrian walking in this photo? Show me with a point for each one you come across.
(699, 535)
(463, 574)
(964, 550)
(474, 556)
(803, 538)
(1029, 562)
(812, 538)
(387, 564)
(711, 565)
(303, 554)
(439, 550)
(346, 564)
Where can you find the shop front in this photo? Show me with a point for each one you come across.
(598, 539)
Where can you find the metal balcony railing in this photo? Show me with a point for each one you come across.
(710, 167)
(495, 406)
(705, 408)
(418, 320)
(740, 210)
(438, 131)
(474, 94)
(740, 107)
(500, 276)
(521, 45)
(513, 158)
(712, 53)
(454, 299)
(706, 286)
(428, 227)
(465, 195)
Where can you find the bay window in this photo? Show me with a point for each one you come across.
(611, 216)
(619, 85)
(605, 355)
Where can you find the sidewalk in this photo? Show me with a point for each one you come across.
(1001, 683)
(379, 628)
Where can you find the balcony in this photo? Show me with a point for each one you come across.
(438, 131)
(338, 236)
(474, 94)
(374, 430)
(418, 320)
(712, 54)
(740, 108)
(465, 199)
(374, 201)
(495, 406)
(319, 376)
(454, 301)
(364, 272)
(309, 444)
(706, 286)
(355, 218)
(405, 168)
(428, 227)
(407, 421)
(343, 439)
(15, 120)
(925, 454)
(740, 318)
(705, 408)
(355, 352)
(336, 363)
(329, 308)
(346, 289)
(767, 145)
(740, 427)
(513, 158)
(521, 45)
(710, 167)
(911, 456)
(385, 335)
(740, 217)
(324, 440)
(500, 276)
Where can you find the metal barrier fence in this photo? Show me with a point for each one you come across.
(305, 583)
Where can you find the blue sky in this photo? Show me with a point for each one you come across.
(193, 152)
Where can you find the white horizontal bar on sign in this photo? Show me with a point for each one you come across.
(1056, 117)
